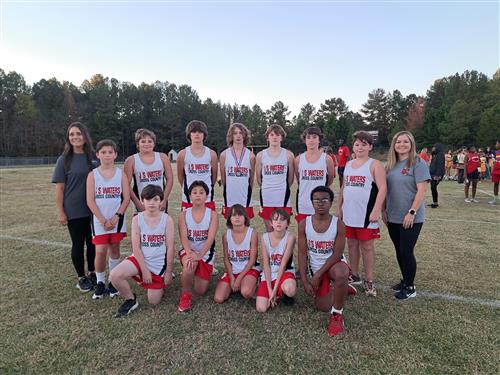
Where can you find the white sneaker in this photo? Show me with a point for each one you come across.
(474, 200)
(492, 202)
(467, 200)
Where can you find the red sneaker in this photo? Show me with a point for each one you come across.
(335, 325)
(185, 302)
(351, 290)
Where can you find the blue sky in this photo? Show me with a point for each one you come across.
(254, 53)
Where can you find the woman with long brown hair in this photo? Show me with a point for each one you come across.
(70, 176)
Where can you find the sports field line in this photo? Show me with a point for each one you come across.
(462, 221)
(429, 294)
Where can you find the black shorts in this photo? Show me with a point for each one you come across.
(473, 176)
(341, 171)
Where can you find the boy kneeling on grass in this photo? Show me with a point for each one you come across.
(153, 253)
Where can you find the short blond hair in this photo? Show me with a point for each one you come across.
(142, 133)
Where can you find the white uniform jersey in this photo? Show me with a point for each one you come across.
(359, 194)
(276, 255)
(311, 175)
(237, 189)
(108, 198)
(148, 174)
(320, 245)
(275, 190)
(239, 254)
(197, 234)
(154, 243)
(197, 169)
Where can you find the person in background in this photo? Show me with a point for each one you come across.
(461, 165)
(437, 170)
(495, 174)
(472, 163)
(448, 162)
(70, 179)
(343, 155)
(424, 155)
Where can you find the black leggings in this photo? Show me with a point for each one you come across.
(404, 241)
(434, 190)
(81, 233)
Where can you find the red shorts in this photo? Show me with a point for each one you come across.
(253, 272)
(263, 292)
(300, 217)
(157, 281)
(225, 212)
(324, 284)
(185, 205)
(265, 212)
(495, 178)
(362, 234)
(203, 269)
(108, 238)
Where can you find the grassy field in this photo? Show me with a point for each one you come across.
(47, 326)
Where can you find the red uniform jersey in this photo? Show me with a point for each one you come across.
(496, 166)
(473, 162)
(343, 156)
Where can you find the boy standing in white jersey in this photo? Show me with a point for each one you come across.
(321, 246)
(359, 206)
(108, 198)
(197, 163)
(148, 167)
(237, 165)
(153, 253)
(274, 170)
(313, 168)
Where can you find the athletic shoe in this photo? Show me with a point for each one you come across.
(406, 293)
(185, 302)
(474, 200)
(355, 280)
(84, 284)
(335, 324)
(397, 287)
(127, 307)
(288, 301)
(113, 292)
(100, 291)
(370, 289)
(467, 200)
(494, 201)
(351, 290)
(92, 276)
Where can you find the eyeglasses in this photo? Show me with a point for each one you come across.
(321, 201)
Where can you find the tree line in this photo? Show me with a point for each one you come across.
(457, 110)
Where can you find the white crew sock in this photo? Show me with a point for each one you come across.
(101, 277)
(112, 263)
(334, 310)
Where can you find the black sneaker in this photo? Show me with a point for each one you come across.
(397, 287)
(84, 284)
(288, 301)
(406, 293)
(100, 291)
(113, 292)
(92, 277)
(355, 280)
(127, 307)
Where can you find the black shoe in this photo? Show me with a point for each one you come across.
(113, 292)
(288, 301)
(355, 280)
(100, 291)
(433, 205)
(406, 293)
(84, 284)
(397, 287)
(92, 277)
(127, 307)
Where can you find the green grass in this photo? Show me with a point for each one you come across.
(47, 326)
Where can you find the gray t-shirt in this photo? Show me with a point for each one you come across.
(75, 185)
(402, 188)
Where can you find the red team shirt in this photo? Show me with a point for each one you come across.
(343, 156)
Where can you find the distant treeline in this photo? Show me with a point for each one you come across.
(457, 110)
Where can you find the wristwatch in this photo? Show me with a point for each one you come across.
(412, 212)
(119, 215)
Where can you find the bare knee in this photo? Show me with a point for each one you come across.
(290, 289)
(261, 307)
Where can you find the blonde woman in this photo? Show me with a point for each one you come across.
(407, 179)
